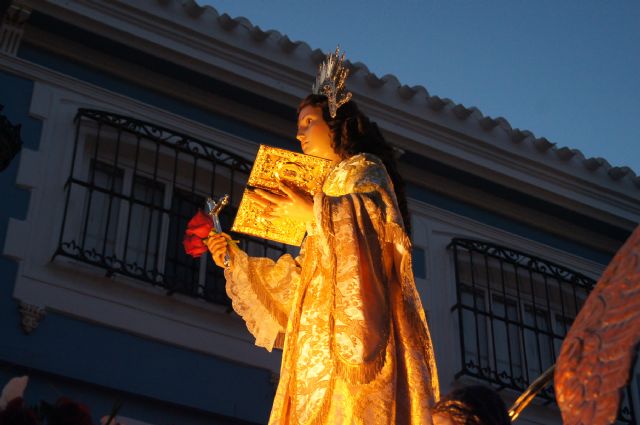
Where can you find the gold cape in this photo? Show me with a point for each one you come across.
(356, 346)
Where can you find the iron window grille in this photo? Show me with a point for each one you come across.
(514, 310)
(131, 190)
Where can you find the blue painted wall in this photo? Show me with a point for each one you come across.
(505, 223)
(48, 387)
(112, 360)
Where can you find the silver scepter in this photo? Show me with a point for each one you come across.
(213, 208)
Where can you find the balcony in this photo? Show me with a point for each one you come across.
(131, 190)
(514, 311)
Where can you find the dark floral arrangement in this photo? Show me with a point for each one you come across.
(14, 411)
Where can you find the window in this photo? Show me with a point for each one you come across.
(99, 224)
(517, 296)
(474, 317)
(538, 341)
(144, 224)
(133, 187)
(514, 311)
(508, 345)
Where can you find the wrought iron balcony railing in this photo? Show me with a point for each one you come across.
(131, 190)
(514, 310)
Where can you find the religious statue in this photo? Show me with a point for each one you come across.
(346, 312)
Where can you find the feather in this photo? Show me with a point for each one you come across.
(598, 352)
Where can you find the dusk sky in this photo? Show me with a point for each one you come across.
(567, 70)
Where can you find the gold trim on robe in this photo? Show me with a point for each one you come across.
(357, 348)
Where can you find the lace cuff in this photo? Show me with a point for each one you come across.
(246, 302)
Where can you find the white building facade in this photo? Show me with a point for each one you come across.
(133, 112)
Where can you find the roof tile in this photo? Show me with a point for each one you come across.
(592, 164)
(617, 173)
(565, 153)
(436, 103)
(542, 144)
(488, 123)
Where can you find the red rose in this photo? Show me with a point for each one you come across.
(198, 229)
(194, 245)
(200, 225)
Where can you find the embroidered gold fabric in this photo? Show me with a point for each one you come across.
(357, 348)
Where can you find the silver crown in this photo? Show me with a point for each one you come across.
(330, 81)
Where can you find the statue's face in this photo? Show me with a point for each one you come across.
(314, 133)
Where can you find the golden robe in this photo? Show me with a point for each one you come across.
(356, 346)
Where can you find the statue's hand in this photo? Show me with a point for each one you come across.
(219, 244)
(295, 204)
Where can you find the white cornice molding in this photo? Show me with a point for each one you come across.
(524, 174)
(502, 206)
(127, 106)
(462, 226)
(157, 82)
(511, 165)
(166, 30)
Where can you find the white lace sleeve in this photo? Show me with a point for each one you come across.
(261, 290)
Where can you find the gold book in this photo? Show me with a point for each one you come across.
(272, 166)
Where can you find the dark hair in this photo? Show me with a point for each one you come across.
(354, 133)
(473, 405)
